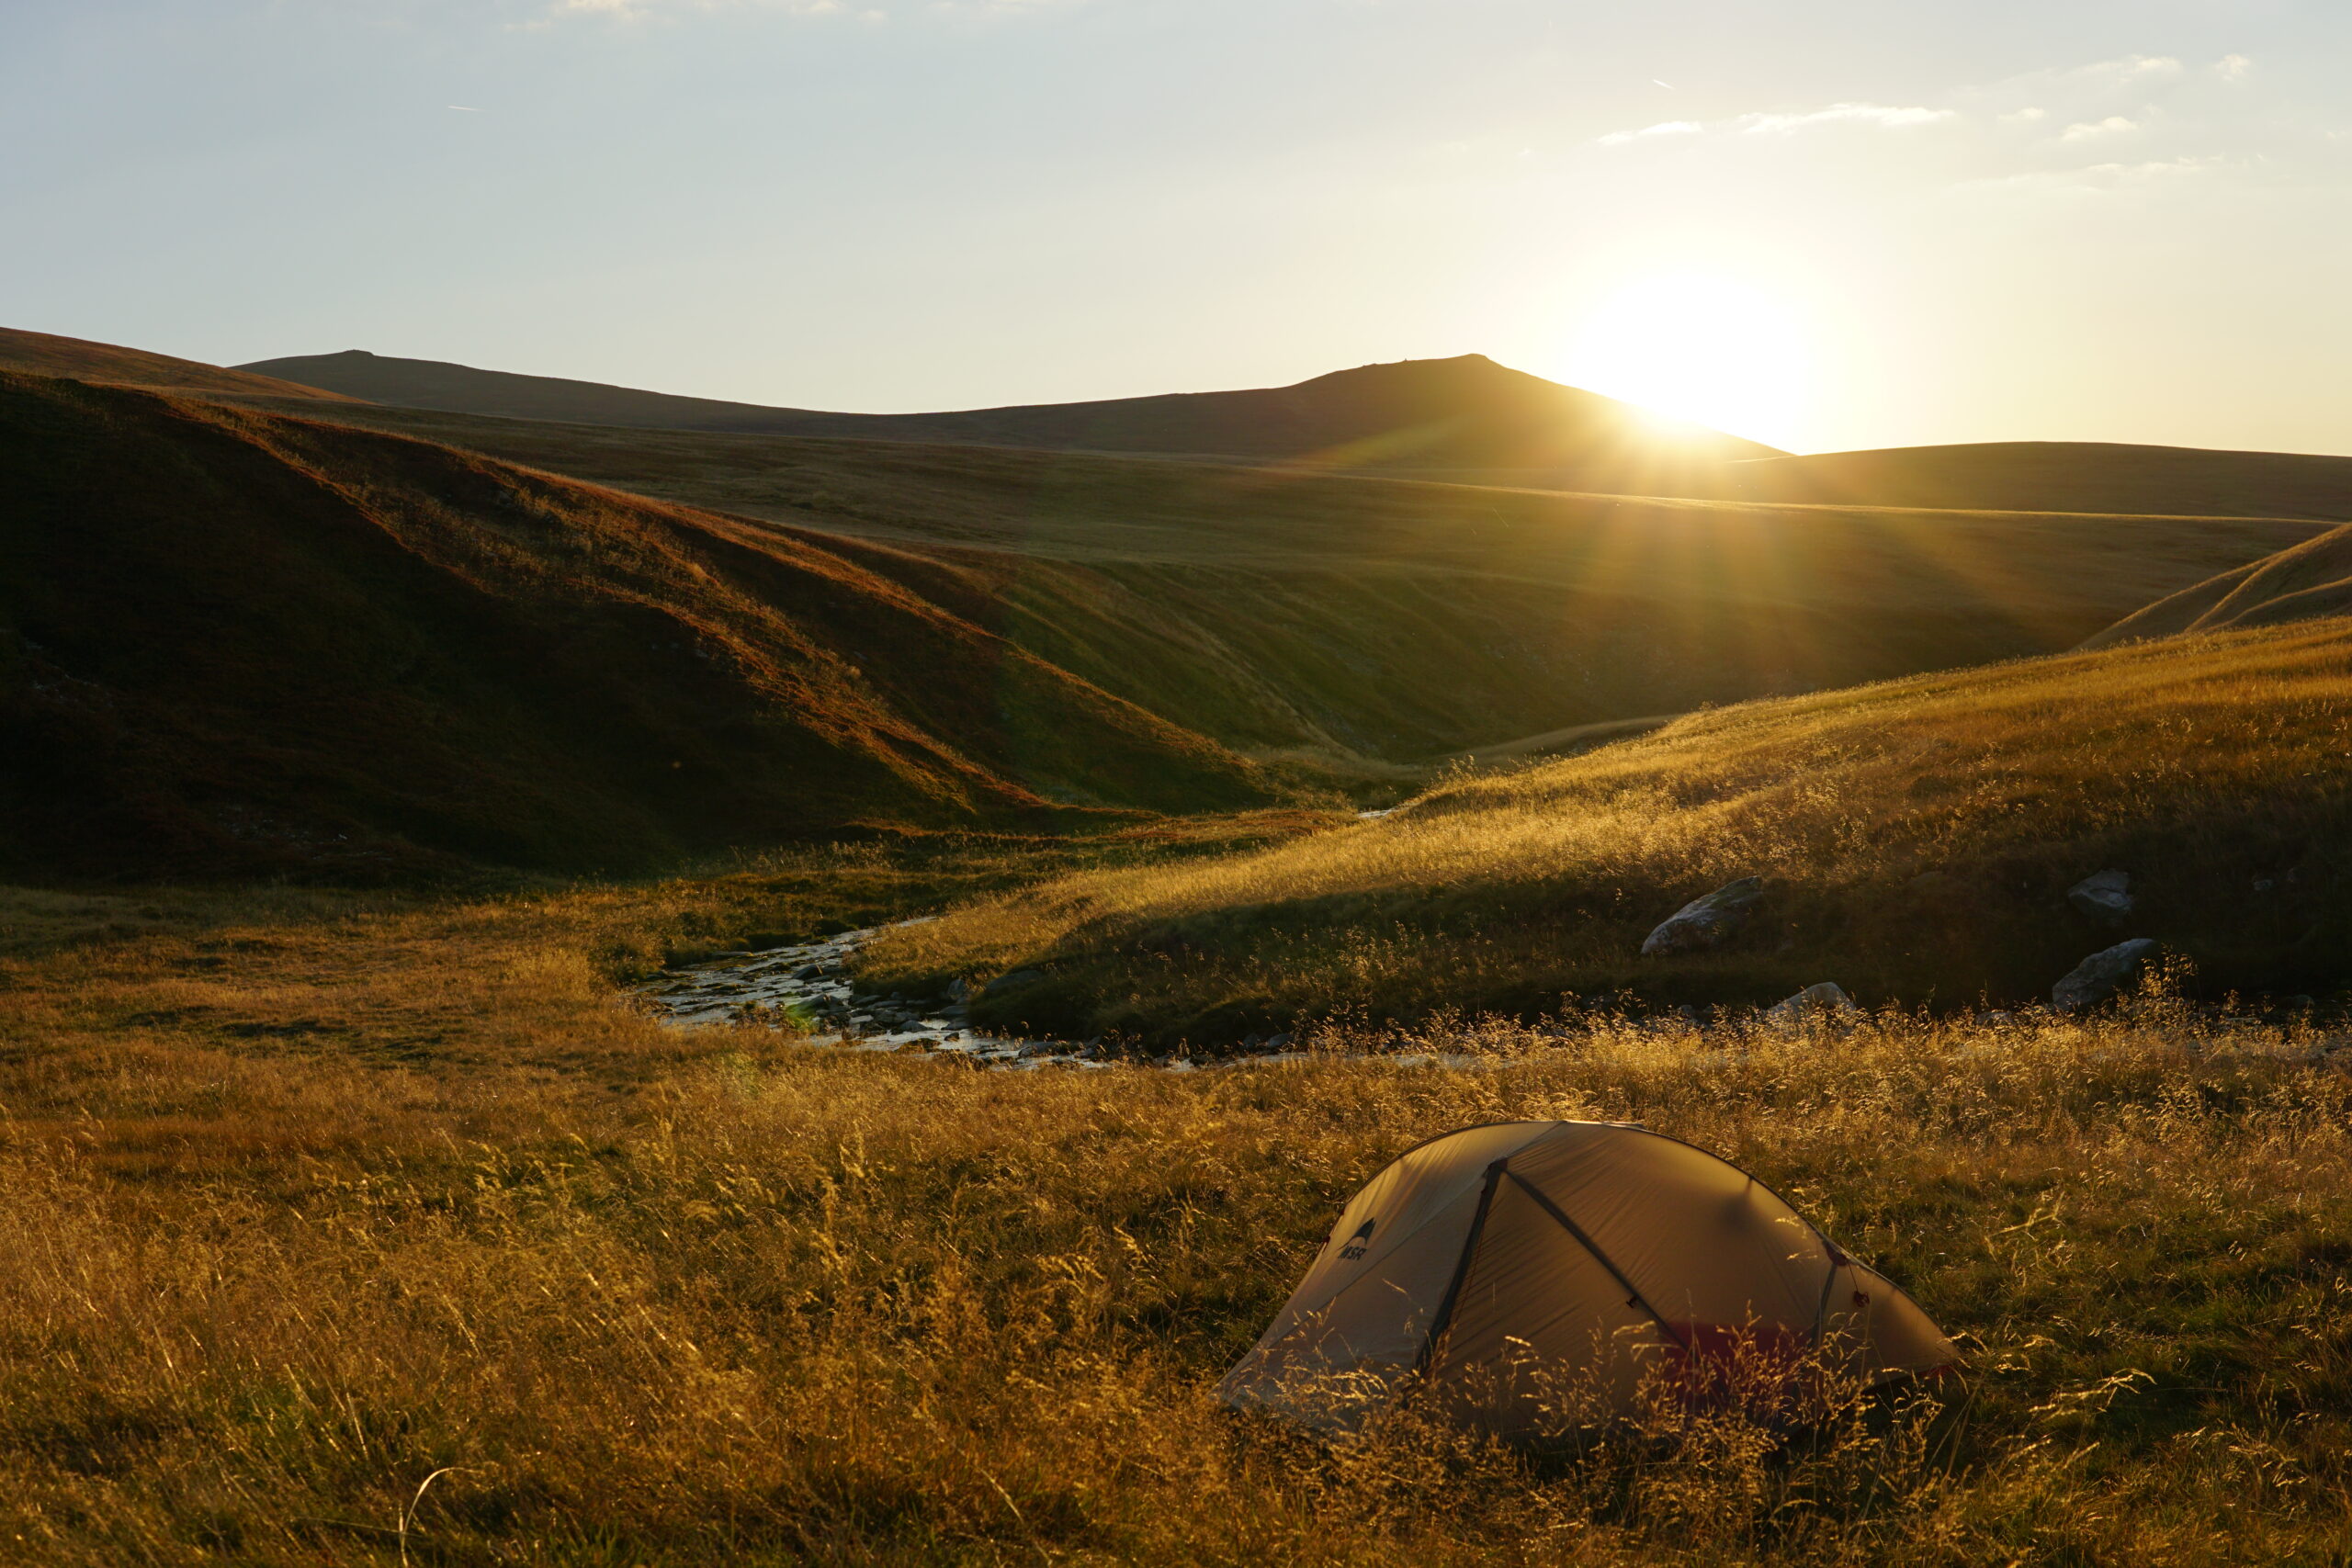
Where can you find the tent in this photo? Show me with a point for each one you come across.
(1528, 1277)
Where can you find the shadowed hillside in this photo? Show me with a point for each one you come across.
(232, 640)
(1401, 620)
(1468, 412)
(41, 354)
(1917, 840)
(2058, 476)
(2302, 582)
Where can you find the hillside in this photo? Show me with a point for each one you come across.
(234, 641)
(41, 353)
(1916, 838)
(1467, 412)
(1399, 621)
(2303, 582)
(2055, 476)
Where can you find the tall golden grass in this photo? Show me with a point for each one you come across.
(1918, 838)
(306, 1199)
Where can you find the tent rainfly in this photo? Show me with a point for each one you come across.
(1530, 1277)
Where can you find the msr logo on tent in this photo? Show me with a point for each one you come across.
(1357, 1242)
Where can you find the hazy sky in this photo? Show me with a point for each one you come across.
(1825, 223)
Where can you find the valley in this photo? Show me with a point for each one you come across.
(506, 916)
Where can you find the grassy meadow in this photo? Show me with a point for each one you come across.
(1917, 840)
(310, 1197)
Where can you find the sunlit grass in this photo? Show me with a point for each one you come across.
(1918, 838)
(402, 1188)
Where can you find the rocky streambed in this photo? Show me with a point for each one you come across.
(807, 986)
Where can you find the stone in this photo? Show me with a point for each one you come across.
(1012, 982)
(2102, 975)
(1708, 922)
(2104, 895)
(1826, 1000)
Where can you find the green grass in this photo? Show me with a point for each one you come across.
(309, 1196)
(1917, 840)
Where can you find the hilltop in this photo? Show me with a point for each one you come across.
(1467, 412)
(233, 641)
(2302, 582)
(1917, 840)
(43, 354)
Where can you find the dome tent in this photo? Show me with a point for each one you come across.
(1506, 1273)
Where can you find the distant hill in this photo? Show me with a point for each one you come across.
(41, 353)
(231, 642)
(2056, 476)
(2303, 582)
(1916, 841)
(1396, 621)
(1467, 412)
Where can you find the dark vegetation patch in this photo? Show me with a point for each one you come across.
(236, 643)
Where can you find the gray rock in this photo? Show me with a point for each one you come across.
(1708, 922)
(1012, 982)
(2104, 895)
(1826, 1000)
(2102, 975)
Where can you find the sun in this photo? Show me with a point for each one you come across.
(1699, 348)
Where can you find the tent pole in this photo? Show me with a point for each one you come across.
(1631, 1289)
(1444, 1318)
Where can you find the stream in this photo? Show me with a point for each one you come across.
(805, 985)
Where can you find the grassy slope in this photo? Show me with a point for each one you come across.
(234, 641)
(2302, 582)
(1462, 411)
(43, 354)
(311, 1197)
(1918, 839)
(2059, 476)
(1400, 620)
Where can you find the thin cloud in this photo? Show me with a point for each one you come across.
(2130, 69)
(2103, 177)
(2085, 131)
(1880, 114)
(2234, 68)
(1884, 117)
(1670, 128)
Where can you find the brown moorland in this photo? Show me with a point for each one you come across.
(235, 642)
(1918, 838)
(1467, 410)
(316, 1198)
(2057, 476)
(1378, 621)
(44, 354)
(2302, 582)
